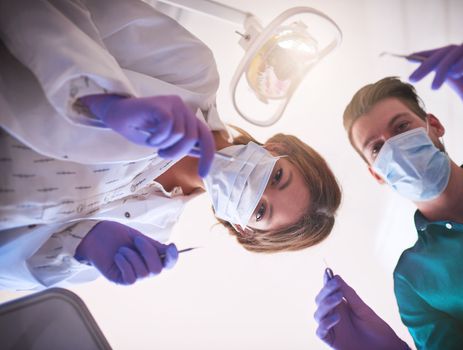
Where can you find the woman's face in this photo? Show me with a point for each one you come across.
(285, 199)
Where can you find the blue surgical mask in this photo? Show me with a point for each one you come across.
(413, 166)
(236, 185)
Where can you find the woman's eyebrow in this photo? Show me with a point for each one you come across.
(287, 182)
(270, 215)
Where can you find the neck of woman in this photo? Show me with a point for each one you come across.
(449, 205)
(184, 173)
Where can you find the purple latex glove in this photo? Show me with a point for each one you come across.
(446, 62)
(163, 122)
(124, 255)
(345, 322)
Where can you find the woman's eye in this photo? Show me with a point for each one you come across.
(277, 177)
(375, 149)
(260, 212)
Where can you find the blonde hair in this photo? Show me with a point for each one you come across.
(369, 95)
(316, 224)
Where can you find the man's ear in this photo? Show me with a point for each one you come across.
(378, 178)
(435, 125)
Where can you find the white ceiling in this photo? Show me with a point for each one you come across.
(222, 297)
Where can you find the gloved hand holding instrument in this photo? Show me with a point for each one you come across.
(446, 62)
(163, 122)
(124, 255)
(345, 322)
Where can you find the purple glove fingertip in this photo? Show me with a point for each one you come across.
(328, 275)
(171, 256)
(325, 328)
(127, 275)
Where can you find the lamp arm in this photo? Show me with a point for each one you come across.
(212, 8)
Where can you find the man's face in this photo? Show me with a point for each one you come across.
(386, 119)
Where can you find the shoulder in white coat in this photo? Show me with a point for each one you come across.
(76, 48)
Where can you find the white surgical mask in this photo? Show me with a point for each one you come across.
(236, 185)
(413, 166)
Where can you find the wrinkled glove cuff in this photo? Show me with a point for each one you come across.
(98, 105)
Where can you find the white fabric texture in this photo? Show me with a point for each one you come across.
(61, 172)
(58, 51)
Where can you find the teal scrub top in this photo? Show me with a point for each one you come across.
(428, 284)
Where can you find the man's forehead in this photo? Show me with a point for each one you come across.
(377, 118)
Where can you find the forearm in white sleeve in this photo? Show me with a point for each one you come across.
(146, 41)
(54, 262)
(59, 43)
(149, 42)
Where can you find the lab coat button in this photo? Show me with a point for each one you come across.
(133, 188)
(80, 208)
(448, 225)
(127, 214)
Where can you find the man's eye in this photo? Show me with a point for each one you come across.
(402, 127)
(277, 177)
(260, 212)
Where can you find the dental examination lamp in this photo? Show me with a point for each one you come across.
(277, 57)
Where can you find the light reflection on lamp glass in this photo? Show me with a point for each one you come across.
(281, 62)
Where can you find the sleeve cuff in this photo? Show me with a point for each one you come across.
(54, 262)
(78, 112)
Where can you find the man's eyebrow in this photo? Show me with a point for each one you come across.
(392, 121)
(287, 182)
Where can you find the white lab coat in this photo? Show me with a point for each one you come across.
(65, 49)
(62, 172)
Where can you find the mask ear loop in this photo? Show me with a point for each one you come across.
(441, 140)
(240, 230)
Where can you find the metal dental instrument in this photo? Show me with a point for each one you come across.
(416, 58)
(329, 273)
(195, 151)
(188, 249)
